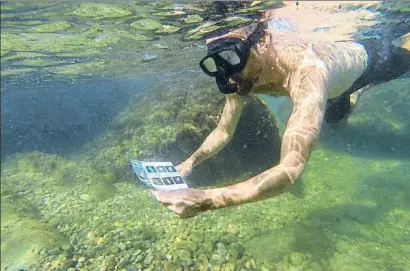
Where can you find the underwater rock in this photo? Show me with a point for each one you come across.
(169, 13)
(86, 197)
(192, 19)
(148, 56)
(296, 258)
(200, 31)
(171, 124)
(100, 11)
(40, 62)
(235, 20)
(159, 46)
(170, 266)
(167, 29)
(146, 24)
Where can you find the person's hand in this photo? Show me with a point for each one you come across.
(184, 169)
(185, 202)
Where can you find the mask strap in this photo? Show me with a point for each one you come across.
(257, 34)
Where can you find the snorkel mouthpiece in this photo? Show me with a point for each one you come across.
(224, 86)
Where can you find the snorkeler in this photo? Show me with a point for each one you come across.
(323, 80)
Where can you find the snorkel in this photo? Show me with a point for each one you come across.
(227, 57)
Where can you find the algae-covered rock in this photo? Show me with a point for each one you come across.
(296, 258)
(192, 19)
(52, 27)
(169, 122)
(167, 29)
(200, 31)
(40, 62)
(172, 13)
(235, 20)
(95, 10)
(146, 24)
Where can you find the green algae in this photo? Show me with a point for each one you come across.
(13, 42)
(83, 69)
(394, 6)
(52, 27)
(100, 11)
(92, 52)
(22, 55)
(40, 62)
(3, 53)
(15, 72)
(136, 36)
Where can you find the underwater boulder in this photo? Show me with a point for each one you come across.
(171, 120)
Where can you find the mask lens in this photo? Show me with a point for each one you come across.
(209, 64)
(231, 57)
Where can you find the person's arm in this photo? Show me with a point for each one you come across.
(219, 137)
(307, 90)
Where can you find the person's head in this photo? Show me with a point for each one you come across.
(231, 59)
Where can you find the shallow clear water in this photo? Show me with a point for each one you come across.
(87, 86)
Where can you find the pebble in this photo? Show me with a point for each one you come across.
(81, 259)
(297, 258)
(67, 264)
(52, 252)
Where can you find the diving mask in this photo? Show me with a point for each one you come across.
(227, 57)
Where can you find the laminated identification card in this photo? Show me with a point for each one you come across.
(158, 175)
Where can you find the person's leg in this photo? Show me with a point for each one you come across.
(339, 108)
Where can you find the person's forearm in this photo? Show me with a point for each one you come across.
(213, 144)
(222, 134)
(270, 183)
